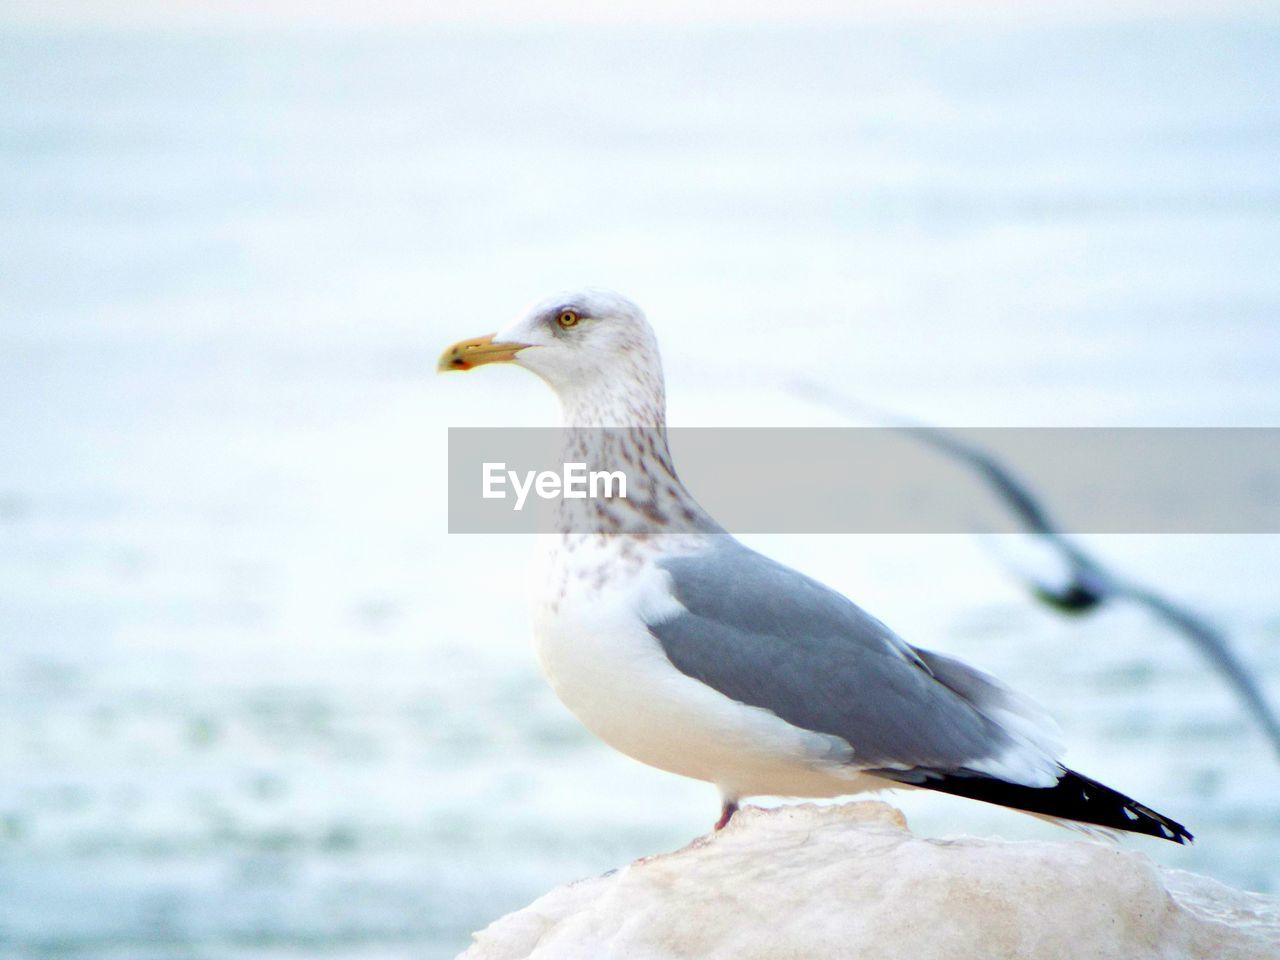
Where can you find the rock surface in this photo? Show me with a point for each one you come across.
(809, 883)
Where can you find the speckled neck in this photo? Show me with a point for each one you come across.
(621, 425)
(632, 396)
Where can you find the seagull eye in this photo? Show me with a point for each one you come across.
(568, 318)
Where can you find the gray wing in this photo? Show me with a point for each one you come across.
(1214, 646)
(768, 636)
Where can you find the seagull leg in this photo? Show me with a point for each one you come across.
(726, 813)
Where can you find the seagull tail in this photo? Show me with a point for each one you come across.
(1075, 797)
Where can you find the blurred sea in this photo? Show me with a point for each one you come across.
(256, 703)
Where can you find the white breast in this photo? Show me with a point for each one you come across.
(592, 642)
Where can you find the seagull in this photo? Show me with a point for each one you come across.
(684, 649)
(1086, 584)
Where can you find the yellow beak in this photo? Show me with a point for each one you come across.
(466, 354)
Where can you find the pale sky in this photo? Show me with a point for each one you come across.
(405, 12)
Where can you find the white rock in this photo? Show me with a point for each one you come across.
(851, 882)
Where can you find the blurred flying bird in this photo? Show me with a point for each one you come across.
(1087, 584)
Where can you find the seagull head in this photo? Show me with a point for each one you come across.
(593, 347)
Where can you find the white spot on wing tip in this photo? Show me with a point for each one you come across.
(1020, 763)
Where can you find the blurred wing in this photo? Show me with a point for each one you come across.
(1081, 583)
(1028, 509)
(1214, 646)
(999, 477)
(1084, 583)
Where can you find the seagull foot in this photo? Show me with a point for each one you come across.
(726, 814)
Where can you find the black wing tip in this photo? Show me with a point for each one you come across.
(1074, 797)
